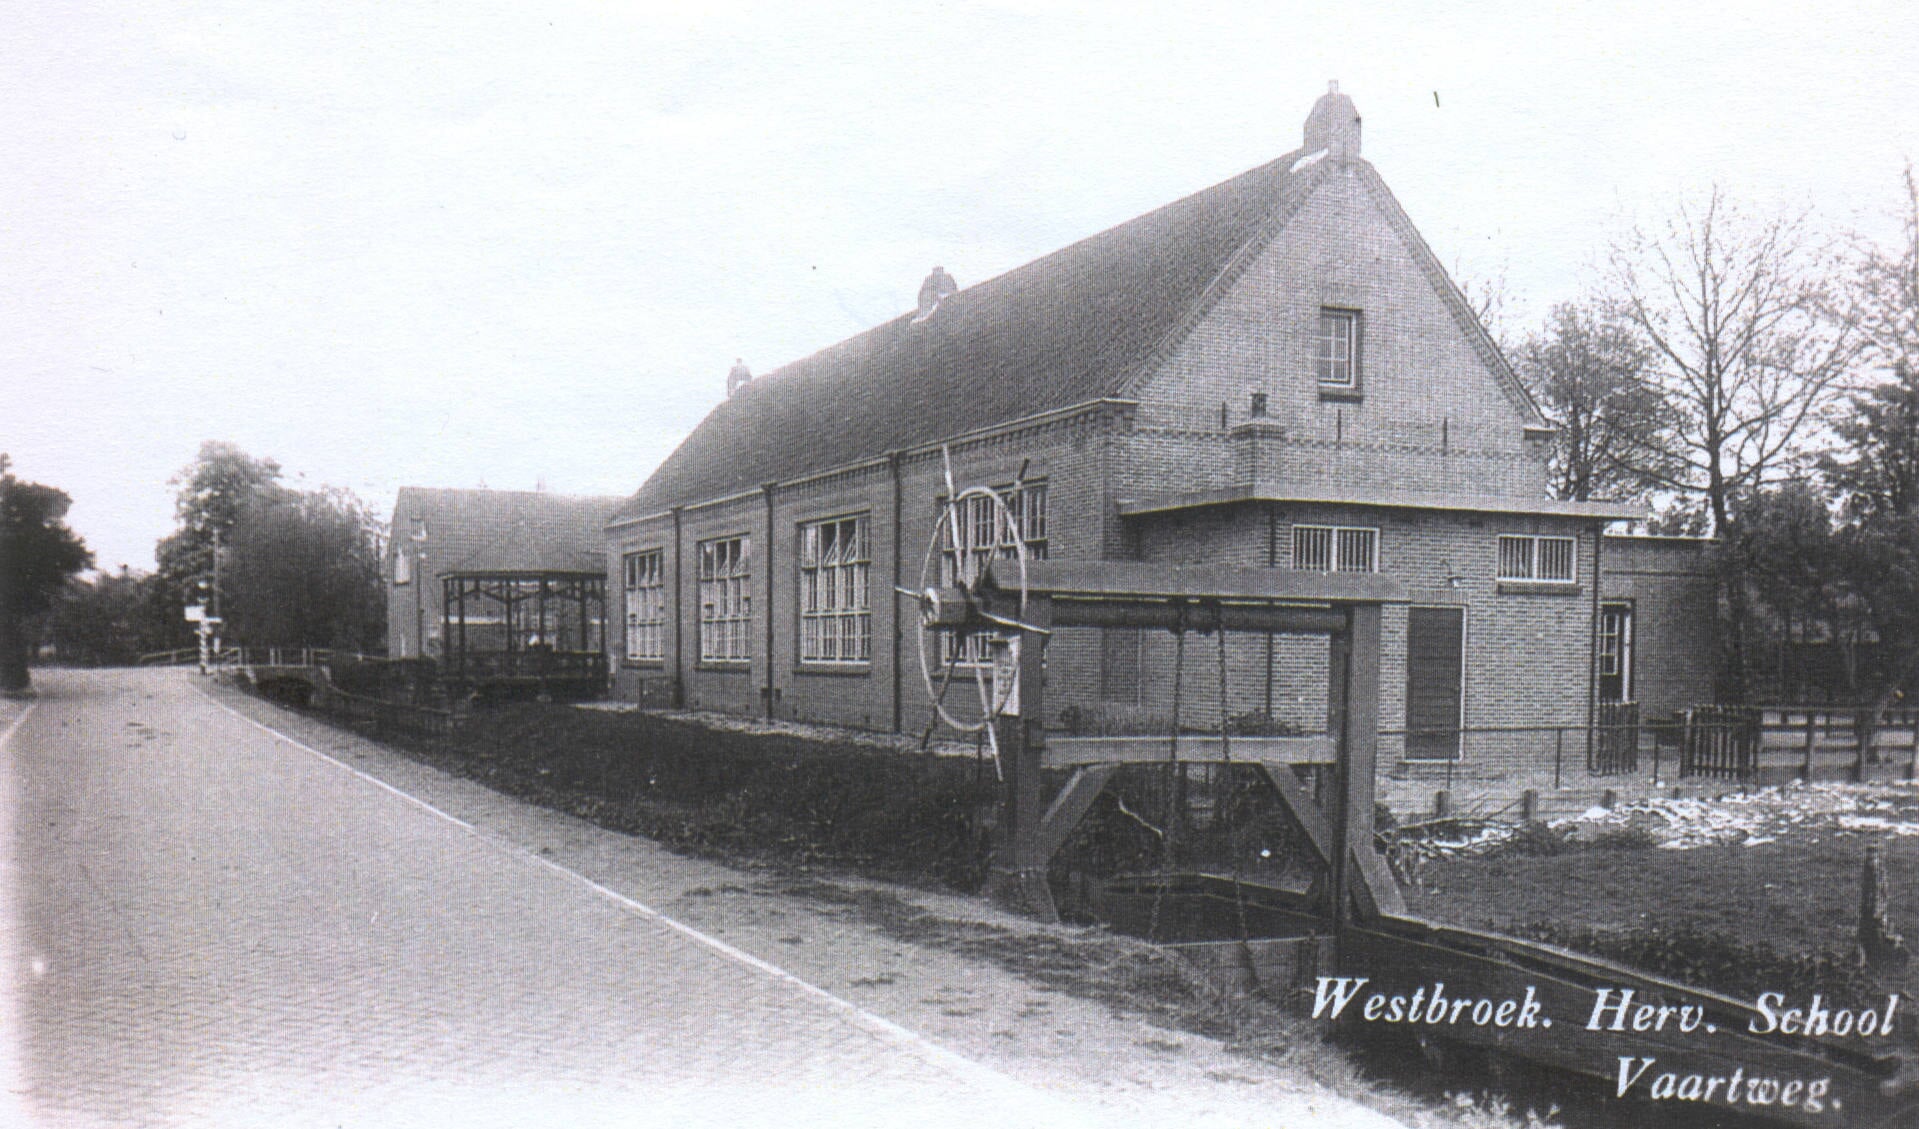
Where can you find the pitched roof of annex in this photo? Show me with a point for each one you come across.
(505, 531)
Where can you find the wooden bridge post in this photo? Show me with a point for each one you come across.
(1356, 675)
(1018, 876)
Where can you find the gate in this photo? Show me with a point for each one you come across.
(1721, 742)
(1615, 745)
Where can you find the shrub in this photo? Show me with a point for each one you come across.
(1536, 838)
(776, 795)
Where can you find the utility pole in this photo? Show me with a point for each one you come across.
(419, 588)
(216, 620)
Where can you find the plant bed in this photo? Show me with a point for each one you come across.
(742, 796)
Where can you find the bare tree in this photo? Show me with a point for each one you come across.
(1747, 348)
(1588, 373)
(1886, 294)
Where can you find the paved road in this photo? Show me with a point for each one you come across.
(208, 924)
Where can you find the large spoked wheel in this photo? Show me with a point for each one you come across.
(975, 528)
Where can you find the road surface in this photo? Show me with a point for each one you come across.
(209, 922)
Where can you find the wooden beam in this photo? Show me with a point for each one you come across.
(1311, 818)
(1377, 891)
(1071, 806)
(1018, 876)
(1123, 579)
(949, 609)
(1069, 752)
(1359, 739)
(1151, 611)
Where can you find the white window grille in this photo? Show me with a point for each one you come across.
(1530, 557)
(645, 605)
(1335, 548)
(1336, 348)
(987, 540)
(836, 617)
(726, 602)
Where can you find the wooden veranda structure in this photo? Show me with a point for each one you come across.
(539, 631)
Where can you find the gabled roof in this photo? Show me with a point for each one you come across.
(1082, 324)
(469, 531)
(1063, 330)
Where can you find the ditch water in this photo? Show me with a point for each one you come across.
(1245, 945)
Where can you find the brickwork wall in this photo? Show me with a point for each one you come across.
(1430, 414)
(1527, 651)
(1067, 457)
(1674, 602)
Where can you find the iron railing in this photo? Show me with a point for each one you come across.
(484, 665)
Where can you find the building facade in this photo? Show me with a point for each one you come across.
(447, 541)
(1273, 372)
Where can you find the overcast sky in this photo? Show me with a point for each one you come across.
(455, 244)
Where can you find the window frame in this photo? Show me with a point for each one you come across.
(832, 596)
(968, 653)
(1535, 558)
(725, 580)
(1327, 346)
(644, 605)
(1335, 546)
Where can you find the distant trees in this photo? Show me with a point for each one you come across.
(38, 553)
(295, 567)
(212, 493)
(1745, 342)
(304, 570)
(110, 619)
(1589, 374)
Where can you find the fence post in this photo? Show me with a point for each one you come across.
(1811, 731)
(1559, 752)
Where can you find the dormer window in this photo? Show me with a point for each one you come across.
(1336, 350)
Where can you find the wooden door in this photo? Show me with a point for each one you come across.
(1435, 670)
(1615, 652)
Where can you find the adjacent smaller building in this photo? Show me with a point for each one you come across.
(501, 586)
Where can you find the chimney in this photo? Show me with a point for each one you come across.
(1333, 125)
(938, 285)
(739, 377)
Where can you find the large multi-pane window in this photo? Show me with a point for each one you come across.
(1336, 348)
(836, 614)
(1335, 548)
(987, 539)
(645, 606)
(1527, 557)
(726, 603)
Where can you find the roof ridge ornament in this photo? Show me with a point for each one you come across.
(938, 286)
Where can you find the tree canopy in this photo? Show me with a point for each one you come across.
(38, 554)
(1588, 372)
(1745, 338)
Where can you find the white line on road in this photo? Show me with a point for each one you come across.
(964, 1067)
(13, 1077)
(8, 735)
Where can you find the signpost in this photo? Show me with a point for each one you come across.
(205, 627)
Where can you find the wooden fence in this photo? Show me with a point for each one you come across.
(1614, 750)
(1721, 742)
